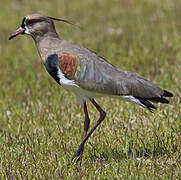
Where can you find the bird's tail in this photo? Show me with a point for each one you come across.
(147, 102)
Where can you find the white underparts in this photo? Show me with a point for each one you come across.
(133, 99)
(66, 83)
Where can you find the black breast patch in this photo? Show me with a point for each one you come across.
(51, 65)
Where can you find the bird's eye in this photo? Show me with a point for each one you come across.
(30, 22)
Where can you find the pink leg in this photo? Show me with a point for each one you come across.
(86, 122)
(79, 150)
(86, 127)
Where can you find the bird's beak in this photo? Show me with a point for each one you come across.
(20, 30)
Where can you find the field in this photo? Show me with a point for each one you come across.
(41, 124)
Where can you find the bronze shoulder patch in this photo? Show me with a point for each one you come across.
(68, 64)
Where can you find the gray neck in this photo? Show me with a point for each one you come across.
(47, 45)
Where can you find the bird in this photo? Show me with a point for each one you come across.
(87, 74)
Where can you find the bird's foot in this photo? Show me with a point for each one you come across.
(77, 157)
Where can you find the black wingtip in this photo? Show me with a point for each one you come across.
(167, 94)
(151, 109)
(147, 104)
(159, 99)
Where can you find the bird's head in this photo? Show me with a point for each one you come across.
(37, 25)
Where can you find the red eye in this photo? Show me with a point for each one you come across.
(30, 23)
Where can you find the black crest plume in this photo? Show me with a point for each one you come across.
(63, 20)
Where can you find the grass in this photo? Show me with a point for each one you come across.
(41, 124)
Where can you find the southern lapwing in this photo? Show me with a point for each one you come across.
(86, 74)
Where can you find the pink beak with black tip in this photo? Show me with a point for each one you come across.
(20, 30)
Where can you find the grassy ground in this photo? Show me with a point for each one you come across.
(40, 122)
